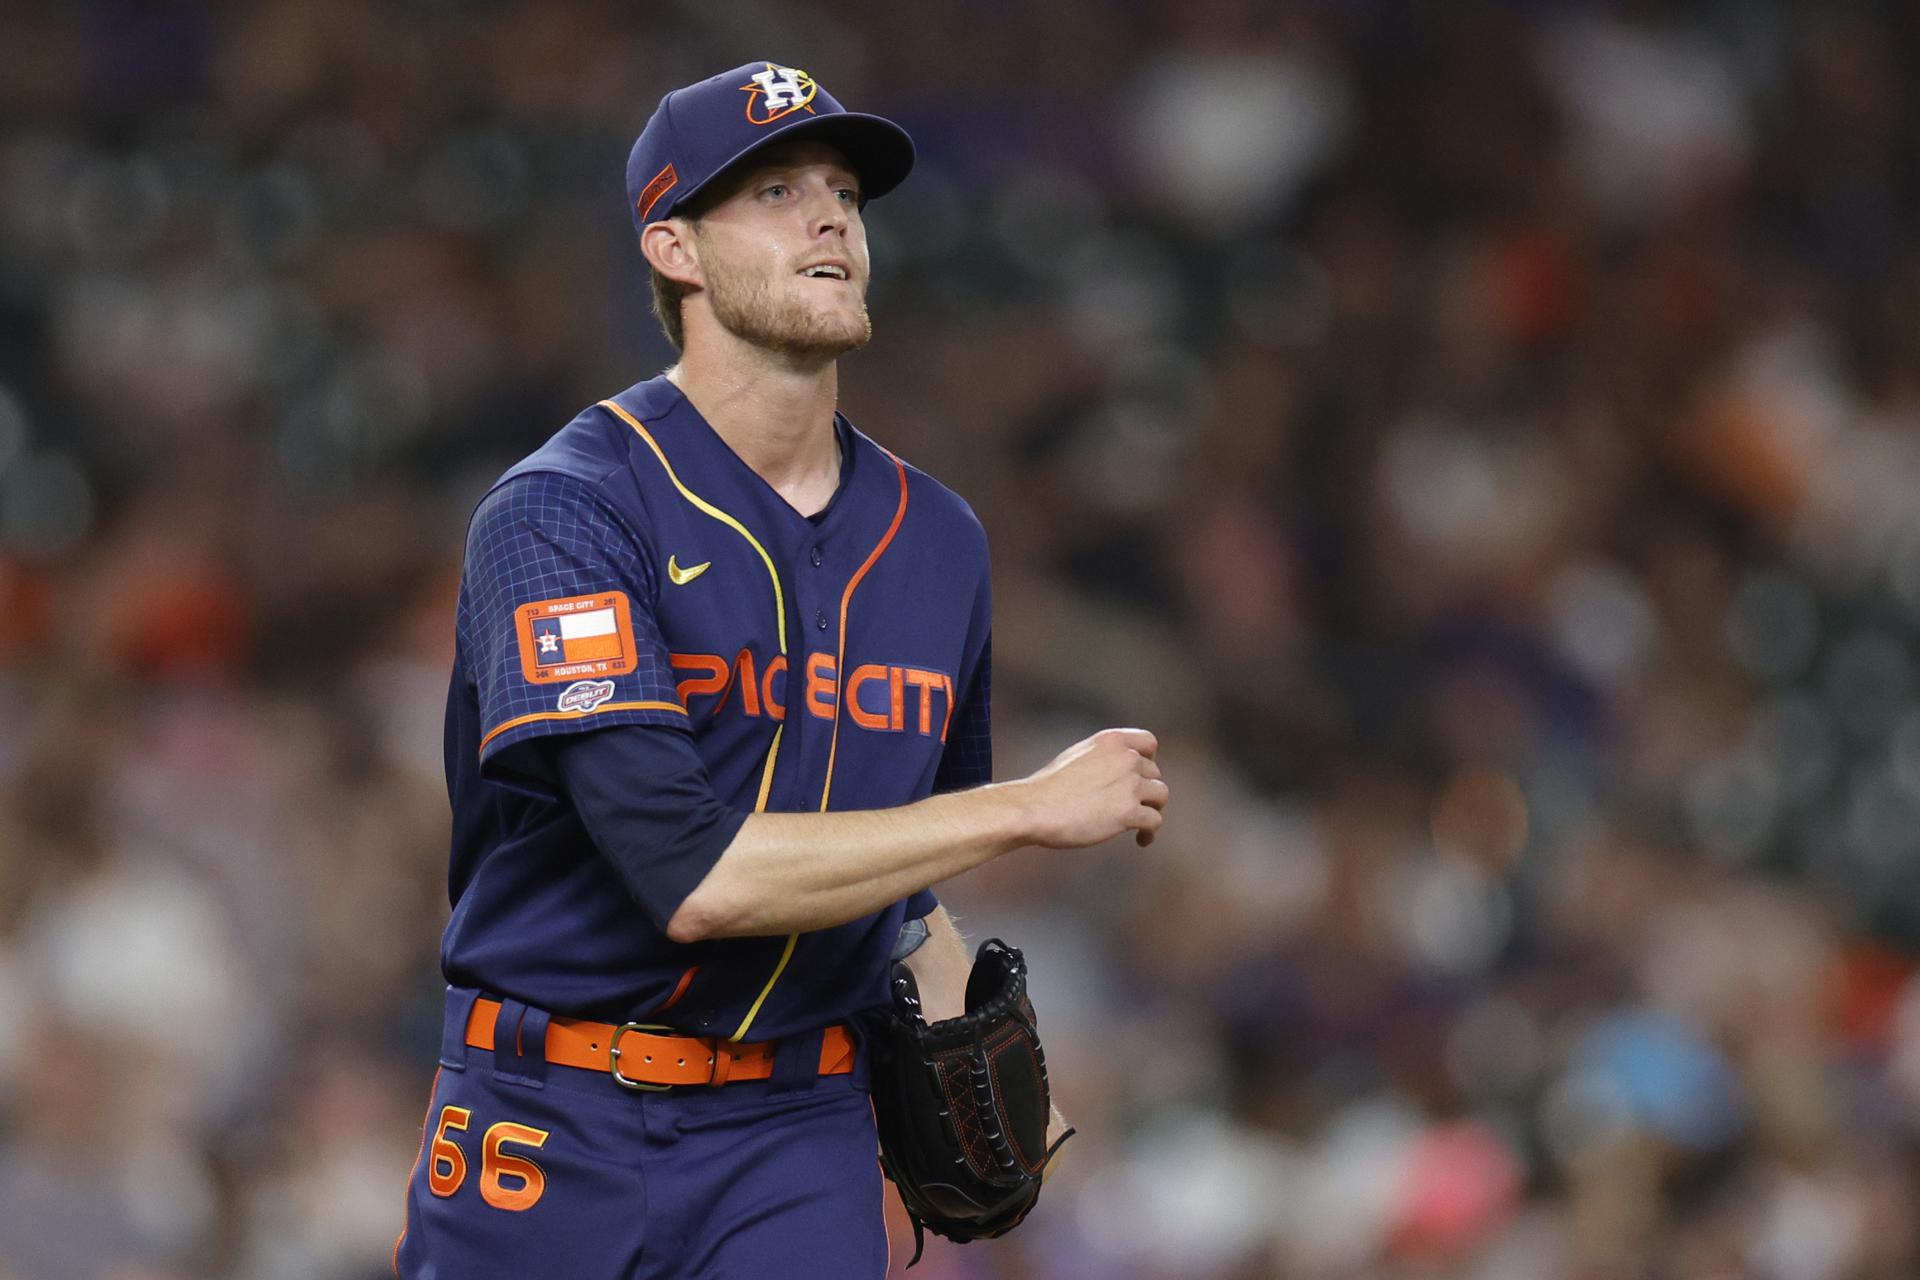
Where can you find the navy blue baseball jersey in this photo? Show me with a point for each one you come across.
(635, 571)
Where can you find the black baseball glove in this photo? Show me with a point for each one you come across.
(963, 1104)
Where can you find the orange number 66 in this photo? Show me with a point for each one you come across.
(447, 1168)
(496, 1164)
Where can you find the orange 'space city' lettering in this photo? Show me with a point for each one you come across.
(885, 697)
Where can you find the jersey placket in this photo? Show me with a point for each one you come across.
(820, 567)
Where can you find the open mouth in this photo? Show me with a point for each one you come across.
(825, 271)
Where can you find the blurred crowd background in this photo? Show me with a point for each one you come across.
(1482, 440)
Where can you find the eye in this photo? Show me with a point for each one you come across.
(775, 191)
(848, 195)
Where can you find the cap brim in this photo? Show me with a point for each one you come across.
(879, 150)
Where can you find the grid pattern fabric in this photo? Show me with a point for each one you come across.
(967, 760)
(546, 536)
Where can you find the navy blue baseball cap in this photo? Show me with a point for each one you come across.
(698, 132)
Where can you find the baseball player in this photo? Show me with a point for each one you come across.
(718, 720)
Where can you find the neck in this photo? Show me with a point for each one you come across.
(773, 410)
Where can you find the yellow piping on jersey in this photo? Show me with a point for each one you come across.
(793, 940)
(779, 600)
(840, 663)
(780, 615)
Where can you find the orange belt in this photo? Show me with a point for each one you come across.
(647, 1059)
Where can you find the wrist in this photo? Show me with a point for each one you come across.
(1009, 814)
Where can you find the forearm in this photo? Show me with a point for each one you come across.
(940, 967)
(796, 872)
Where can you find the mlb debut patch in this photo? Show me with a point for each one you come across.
(581, 637)
(584, 695)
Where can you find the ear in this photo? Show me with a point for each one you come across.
(669, 249)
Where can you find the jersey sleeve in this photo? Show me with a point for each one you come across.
(557, 625)
(644, 797)
(967, 759)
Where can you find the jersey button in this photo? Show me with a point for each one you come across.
(820, 619)
(814, 556)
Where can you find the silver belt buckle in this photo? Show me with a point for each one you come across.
(613, 1058)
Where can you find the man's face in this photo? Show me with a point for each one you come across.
(784, 253)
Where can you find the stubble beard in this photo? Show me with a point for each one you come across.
(749, 309)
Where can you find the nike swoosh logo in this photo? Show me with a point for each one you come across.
(681, 577)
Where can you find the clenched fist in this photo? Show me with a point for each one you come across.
(1095, 790)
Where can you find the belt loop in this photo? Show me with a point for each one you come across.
(722, 1061)
(453, 1030)
(862, 1062)
(520, 1045)
(796, 1062)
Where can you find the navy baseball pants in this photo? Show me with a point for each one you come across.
(548, 1172)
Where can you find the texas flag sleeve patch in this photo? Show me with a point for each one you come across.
(576, 638)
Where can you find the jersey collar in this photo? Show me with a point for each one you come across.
(658, 402)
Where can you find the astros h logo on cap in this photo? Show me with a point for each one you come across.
(779, 92)
(698, 132)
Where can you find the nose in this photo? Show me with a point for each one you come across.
(829, 212)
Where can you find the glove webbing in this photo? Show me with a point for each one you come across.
(984, 1098)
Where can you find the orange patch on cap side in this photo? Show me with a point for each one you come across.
(576, 638)
(663, 182)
